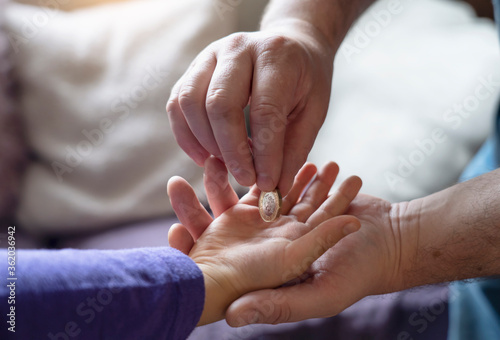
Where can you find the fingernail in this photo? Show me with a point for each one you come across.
(351, 228)
(265, 182)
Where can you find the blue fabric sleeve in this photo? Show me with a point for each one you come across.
(149, 293)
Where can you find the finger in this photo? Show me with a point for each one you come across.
(252, 196)
(337, 203)
(282, 305)
(317, 193)
(182, 133)
(300, 135)
(187, 207)
(273, 98)
(192, 97)
(227, 96)
(302, 252)
(180, 238)
(304, 177)
(301, 181)
(296, 302)
(221, 195)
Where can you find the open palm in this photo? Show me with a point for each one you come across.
(238, 251)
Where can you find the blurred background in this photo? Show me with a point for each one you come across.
(87, 150)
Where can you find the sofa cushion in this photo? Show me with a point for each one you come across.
(96, 82)
(415, 88)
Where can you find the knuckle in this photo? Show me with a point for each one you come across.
(172, 105)
(280, 48)
(268, 122)
(266, 110)
(236, 41)
(275, 43)
(218, 105)
(309, 202)
(187, 99)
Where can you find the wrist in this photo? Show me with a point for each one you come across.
(329, 19)
(405, 223)
(306, 31)
(218, 297)
(453, 234)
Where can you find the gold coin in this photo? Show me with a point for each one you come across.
(270, 205)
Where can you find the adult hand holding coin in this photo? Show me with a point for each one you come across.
(284, 73)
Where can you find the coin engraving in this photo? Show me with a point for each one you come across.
(270, 205)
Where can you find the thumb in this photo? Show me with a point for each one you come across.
(265, 306)
(282, 305)
(310, 299)
(180, 238)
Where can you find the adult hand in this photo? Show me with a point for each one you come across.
(365, 263)
(234, 250)
(284, 73)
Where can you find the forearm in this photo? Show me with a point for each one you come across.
(453, 234)
(330, 18)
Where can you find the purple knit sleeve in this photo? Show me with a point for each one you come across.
(149, 293)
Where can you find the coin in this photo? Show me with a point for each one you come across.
(270, 205)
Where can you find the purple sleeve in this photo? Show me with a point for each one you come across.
(149, 293)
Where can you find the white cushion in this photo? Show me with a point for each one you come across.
(400, 79)
(95, 84)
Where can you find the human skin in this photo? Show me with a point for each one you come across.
(450, 235)
(235, 248)
(284, 71)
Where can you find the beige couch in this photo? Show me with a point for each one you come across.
(95, 79)
(413, 96)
